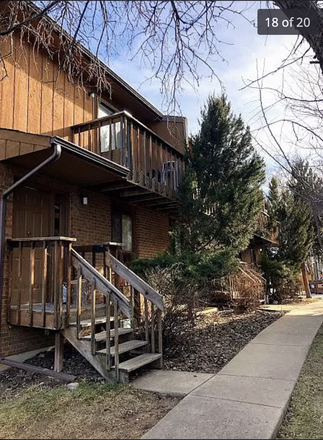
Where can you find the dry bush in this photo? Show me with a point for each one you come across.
(182, 300)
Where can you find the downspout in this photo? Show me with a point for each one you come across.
(3, 205)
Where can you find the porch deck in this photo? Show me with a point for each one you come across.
(53, 287)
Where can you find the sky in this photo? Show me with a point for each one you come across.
(244, 52)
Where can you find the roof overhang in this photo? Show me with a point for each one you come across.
(76, 165)
(259, 239)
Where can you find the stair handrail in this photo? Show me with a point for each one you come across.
(102, 283)
(134, 280)
(257, 274)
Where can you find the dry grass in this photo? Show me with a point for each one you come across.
(92, 411)
(304, 418)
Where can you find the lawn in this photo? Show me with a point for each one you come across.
(304, 418)
(92, 411)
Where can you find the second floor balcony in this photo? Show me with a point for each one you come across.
(154, 164)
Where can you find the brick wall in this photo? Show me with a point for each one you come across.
(150, 232)
(89, 224)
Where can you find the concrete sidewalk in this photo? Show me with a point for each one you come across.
(248, 398)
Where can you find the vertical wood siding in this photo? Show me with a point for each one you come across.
(36, 97)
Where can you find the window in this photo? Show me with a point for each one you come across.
(122, 230)
(110, 135)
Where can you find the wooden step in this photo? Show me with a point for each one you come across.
(125, 346)
(100, 337)
(87, 322)
(139, 361)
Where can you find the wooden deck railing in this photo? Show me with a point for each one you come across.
(40, 273)
(147, 304)
(153, 162)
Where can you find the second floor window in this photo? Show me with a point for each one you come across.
(111, 134)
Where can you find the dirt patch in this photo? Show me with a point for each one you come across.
(13, 382)
(215, 340)
(304, 416)
(92, 411)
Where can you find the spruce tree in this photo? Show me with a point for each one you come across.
(272, 206)
(227, 174)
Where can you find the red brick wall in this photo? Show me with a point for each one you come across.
(150, 232)
(89, 224)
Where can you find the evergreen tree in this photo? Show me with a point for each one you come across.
(272, 206)
(295, 237)
(226, 174)
(296, 234)
(307, 187)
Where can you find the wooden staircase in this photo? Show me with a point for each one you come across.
(124, 331)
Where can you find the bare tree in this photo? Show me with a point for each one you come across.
(177, 39)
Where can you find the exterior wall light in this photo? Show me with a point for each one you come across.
(85, 200)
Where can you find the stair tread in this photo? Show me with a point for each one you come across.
(88, 322)
(99, 337)
(138, 361)
(125, 346)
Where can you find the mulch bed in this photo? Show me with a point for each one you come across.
(206, 347)
(215, 340)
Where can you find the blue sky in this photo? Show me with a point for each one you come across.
(245, 52)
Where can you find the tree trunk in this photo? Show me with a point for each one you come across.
(315, 41)
(305, 282)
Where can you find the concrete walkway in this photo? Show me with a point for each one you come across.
(248, 398)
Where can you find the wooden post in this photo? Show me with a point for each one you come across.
(54, 275)
(146, 320)
(69, 275)
(19, 282)
(60, 275)
(133, 168)
(107, 329)
(160, 331)
(43, 284)
(79, 301)
(93, 295)
(150, 160)
(59, 352)
(116, 340)
(132, 304)
(32, 280)
(153, 328)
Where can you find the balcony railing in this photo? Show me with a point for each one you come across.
(153, 163)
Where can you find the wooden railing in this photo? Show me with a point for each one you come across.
(40, 273)
(117, 307)
(149, 311)
(153, 162)
(248, 283)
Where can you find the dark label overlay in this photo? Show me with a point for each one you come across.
(289, 22)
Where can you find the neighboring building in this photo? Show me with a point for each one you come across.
(261, 240)
(116, 165)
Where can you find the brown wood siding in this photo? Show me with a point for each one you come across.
(35, 97)
(14, 143)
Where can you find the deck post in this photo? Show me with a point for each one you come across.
(59, 352)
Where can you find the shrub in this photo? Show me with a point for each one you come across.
(282, 279)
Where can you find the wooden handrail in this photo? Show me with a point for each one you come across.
(97, 123)
(102, 283)
(30, 239)
(134, 280)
